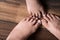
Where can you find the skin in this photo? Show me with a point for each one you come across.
(34, 7)
(24, 29)
(52, 23)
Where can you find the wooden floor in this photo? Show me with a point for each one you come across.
(15, 10)
(12, 10)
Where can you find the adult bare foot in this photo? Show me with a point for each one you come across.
(52, 23)
(34, 7)
(24, 29)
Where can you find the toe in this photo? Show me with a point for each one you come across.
(36, 14)
(44, 22)
(49, 16)
(39, 15)
(46, 18)
(35, 21)
(57, 17)
(29, 18)
(32, 19)
(53, 17)
(37, 24)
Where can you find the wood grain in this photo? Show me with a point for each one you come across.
(11, 10)
(15, 10)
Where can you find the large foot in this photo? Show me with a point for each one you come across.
(24, 29)
(52, 23)
(34, 7)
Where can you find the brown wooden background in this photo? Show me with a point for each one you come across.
(14, 10)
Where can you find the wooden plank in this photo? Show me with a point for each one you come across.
(15, 10)
(11, 12)
(5, 28)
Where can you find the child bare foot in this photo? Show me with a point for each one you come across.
(52, 23)
(34, 7)
(25, 28)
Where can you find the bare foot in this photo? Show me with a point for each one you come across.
(24, 29)
(52, 23)
(34, 7)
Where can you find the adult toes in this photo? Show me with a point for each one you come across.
(32, 19)
(35, 21)
(39, 22)
(49, 17)
(44, 22)
(29, 18)
(52, 15)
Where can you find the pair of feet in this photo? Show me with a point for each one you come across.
(28, 25)
(24, 29)
(50, 22)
